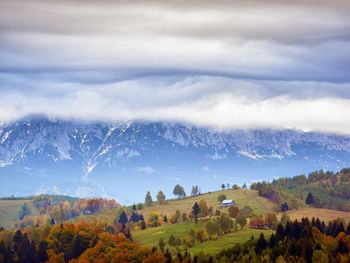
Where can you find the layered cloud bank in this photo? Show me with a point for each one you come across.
(222, 64)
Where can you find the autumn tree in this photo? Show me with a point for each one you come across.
(201, 235)
(148, 198)
(179, 191)
(241, 220)
(210, 227)
(160, 197)
(225, 223)
(161, 244)
(203, 208)
(233, 211)
(271, 220)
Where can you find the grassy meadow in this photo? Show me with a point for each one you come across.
(9, 211)
(150, 237)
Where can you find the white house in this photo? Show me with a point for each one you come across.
(228, 203)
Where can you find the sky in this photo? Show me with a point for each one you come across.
(220, 64)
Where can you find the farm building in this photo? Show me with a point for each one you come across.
(228, 203)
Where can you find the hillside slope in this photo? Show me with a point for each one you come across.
(9, 211)
(242, 197)
(325, 215)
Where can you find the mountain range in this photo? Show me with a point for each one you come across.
(125, 159)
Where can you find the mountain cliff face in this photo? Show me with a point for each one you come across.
(124, 159)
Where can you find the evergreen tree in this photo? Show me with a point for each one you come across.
(244, 186)
(348, 229)
(134, 217)
(17, 240)
(309, 199)
(223, 186)
(78, 247)
(195, 211)
(148, 198)
(165, 219)
(272, 242)
(43, 257)
(25, 210)
(143, 225)
(194, 190)
(261, 244)
(284, 207)
(134, 207)
(167, 255)
(52, 222)
(25, 253)
(123, 219)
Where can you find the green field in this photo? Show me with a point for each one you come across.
(9, 211)
(150, 237)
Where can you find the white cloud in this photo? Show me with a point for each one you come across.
(216, 102)
(146, 169)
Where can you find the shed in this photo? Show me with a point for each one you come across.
(228, 203)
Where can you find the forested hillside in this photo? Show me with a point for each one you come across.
(319, 189)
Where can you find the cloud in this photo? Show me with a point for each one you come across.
(215, 102)
(225, 65)
(146, 169)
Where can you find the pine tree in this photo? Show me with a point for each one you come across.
(24, 211)
(17, 240)
(143, 225)
(134, 217)
(194, 190)
(195, 211)
(148, 198)
(123, 219)
(43, 257)
(309, 199)
(134, 207)
(261, 244)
